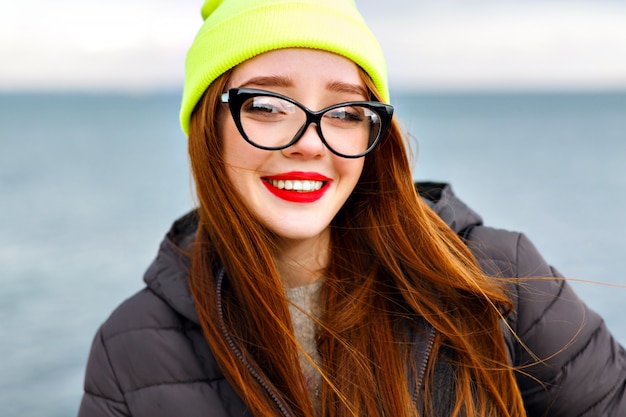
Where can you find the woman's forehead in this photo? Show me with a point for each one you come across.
(297, 67)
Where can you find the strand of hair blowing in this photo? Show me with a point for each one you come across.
(255, 310)
(391, 261)
(418, 265)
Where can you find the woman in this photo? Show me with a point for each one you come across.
(312, 280)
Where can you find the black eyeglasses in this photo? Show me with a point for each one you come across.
(272, 122)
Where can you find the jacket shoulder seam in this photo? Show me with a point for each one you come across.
(108, 358)
(102, 397)
(165, 384)
(555, 297)
(117, 334)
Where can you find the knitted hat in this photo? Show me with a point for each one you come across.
(237, 30)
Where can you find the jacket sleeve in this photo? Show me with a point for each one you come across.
(569, 364)
(103, 396)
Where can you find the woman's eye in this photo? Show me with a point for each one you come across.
(263, 105)
(263, 108)
(268, 105)
(346, 114)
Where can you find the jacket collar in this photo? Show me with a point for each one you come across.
(441, 198)
(167, 275)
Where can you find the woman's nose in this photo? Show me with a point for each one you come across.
(309, 145)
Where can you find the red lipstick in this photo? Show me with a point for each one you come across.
(297, 186)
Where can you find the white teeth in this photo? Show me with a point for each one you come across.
(297, 185)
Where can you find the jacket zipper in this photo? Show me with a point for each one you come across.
(426, 349)
(231, 343)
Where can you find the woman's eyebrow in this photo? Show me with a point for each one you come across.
(342, 87)
(269, 81)
(285, 82)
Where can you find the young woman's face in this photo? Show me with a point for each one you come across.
(296, 191)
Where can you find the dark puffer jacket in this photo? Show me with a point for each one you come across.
(150, 359)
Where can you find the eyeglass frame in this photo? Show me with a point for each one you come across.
(235, 97)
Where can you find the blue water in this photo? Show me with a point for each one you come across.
(90, 183)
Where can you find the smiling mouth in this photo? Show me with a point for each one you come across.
(302, 186)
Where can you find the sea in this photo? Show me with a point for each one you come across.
(90, 183)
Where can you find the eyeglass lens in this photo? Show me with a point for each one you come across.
(273, 122)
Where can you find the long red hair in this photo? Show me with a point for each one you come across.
(391, 260)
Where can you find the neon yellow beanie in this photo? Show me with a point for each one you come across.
(237, 30)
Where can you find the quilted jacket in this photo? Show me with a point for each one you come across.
(150, 359)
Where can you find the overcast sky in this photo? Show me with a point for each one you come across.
(141, 44)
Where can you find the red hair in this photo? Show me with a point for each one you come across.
(392, 260)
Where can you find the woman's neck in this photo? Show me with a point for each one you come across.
(303, 262)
